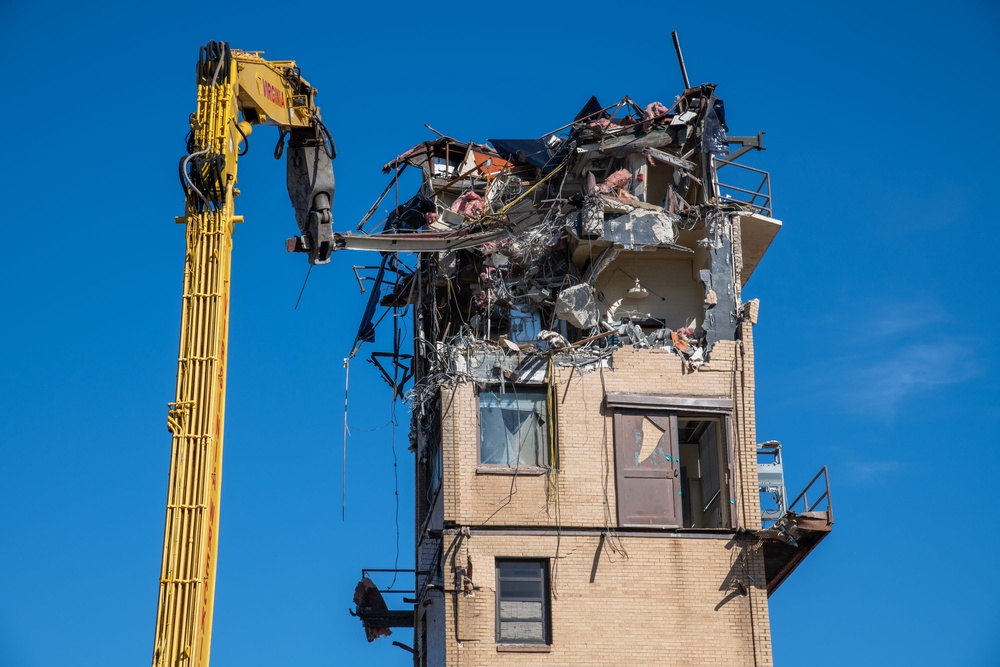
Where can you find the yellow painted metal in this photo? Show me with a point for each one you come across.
(266, 87)
(196, 418)
(267, 92)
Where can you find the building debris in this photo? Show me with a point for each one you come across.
(578, 306)
(565, 247)
(370, 605)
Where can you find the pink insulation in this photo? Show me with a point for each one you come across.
(655, 114)
(619, 179)
(470, 205)
(603, 125)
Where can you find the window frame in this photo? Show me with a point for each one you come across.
(548, 430)
(727, 481)
(677, 408)
(546, 598)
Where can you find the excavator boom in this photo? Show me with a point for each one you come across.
(236, 91)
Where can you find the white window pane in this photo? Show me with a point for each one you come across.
(512, 610)
(493, 440)
(521, 569)
(513, 428)
(522, 631)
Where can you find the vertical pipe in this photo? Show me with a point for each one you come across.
(680, 59)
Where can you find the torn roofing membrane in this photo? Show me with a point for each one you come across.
(614, 229)
(532, 151)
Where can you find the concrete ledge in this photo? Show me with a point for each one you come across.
(524, 648)
(511, 470)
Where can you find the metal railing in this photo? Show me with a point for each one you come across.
(815, 506)
(366, 572)
(759, 198)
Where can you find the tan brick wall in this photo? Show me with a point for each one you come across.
(586, 441)
(672, 600)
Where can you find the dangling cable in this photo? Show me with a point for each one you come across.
(328, 146)
(553, 469)
(343, 479)
(301, 291)
(246, 140)
(279, 148)
(395, 476)
(392, 411)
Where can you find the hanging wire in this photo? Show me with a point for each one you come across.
(395, 477)
(614, 540)
(553, 468)
(302, 291)
(343, 480)
(395, 463)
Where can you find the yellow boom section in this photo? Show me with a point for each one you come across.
(196, 417)
(230, 84)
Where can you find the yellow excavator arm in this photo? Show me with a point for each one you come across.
(236, 91)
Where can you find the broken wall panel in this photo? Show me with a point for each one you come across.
(609, 233)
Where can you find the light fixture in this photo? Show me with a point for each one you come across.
(638, 292)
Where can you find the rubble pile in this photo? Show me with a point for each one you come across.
(566, 247)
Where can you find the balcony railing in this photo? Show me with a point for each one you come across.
(397, 578)
(754, 186)
(821, 503)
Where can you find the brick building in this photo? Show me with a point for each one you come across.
(588, 487)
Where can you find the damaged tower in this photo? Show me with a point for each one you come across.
(588, 482)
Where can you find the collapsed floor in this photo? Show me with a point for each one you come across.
(616, 232)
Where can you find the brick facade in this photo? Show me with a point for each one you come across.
(618, 596)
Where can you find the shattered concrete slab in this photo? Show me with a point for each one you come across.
(578, 306)
(641, 227)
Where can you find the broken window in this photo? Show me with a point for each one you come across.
(523, 602)
(705, 498)
(429, 473)
(514, 426)
(673, 469)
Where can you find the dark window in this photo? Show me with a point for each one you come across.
(523, 602)
(514, 426)
(706, 500)
(433, 451)
(429, 472)
(672, 470)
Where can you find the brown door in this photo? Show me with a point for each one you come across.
(648, 468)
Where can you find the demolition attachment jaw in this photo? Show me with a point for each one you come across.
(309, 176)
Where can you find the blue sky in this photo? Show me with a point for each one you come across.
(874, 348)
